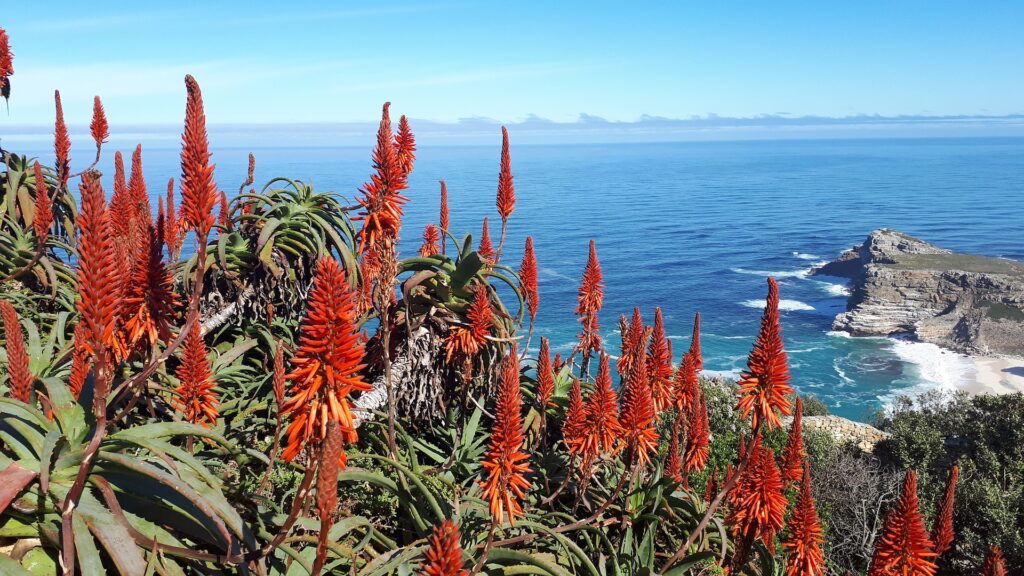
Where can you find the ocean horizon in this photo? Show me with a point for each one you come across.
(690, 226)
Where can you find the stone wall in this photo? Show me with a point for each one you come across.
(864, 436)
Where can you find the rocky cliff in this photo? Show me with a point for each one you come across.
(900, 284)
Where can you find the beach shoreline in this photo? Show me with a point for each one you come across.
(995, 375)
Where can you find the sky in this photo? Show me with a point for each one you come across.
(566, 62)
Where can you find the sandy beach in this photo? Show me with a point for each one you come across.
(996, 375)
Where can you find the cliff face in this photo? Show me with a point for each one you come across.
(972, 304)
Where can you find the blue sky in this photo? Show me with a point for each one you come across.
(278, 62)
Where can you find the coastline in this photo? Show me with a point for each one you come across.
(996, 375)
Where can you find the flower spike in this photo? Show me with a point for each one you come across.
(195, 397)
(794, 454)
(44, 208)
(504, 463)
(764, 385)
(198, 190)
(803, 544)
(17, 359)
(99, 127)
(942, 531)
(444, 554)
(904, 547)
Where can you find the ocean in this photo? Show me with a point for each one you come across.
(699, 226)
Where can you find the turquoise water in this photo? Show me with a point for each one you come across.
(698, 226)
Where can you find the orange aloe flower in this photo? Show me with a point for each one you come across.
(194, 396)
(198, 190)
(638, 417)
(443, 216)
(759, 504)
(149, 300)
(574, 426)
(904, 548)
(764, 385)
(994, 564)
(21, 378)
(444, 554)
(140, 208)
(431, 237)
(698, 436)
(504, 463)
(698, 359)
(506, 198)
(43, 217)
(6, 57)
(942, 531)
(711, 490)
(381, 199)
(659, 364)
(590, 298)
(794, 454)
(172, 227)
(405, 146)
(603, 429)
(486, 249)
(61, 143)
(528, 279)
(99, 127)
(467, 341)
(686, 385)
(803, 543)
(545, 376)
(98, 273)
(327, 365)
(630, 331)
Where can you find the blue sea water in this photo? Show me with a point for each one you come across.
(700, 225)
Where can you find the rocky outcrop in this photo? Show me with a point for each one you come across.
(844, 431)
(903, 285)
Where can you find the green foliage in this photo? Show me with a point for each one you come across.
(984, 436)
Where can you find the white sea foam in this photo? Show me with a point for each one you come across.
(806, 256)
(727, 374)
(786, 305)
(934, 367)
(835, 289)
(773, 273)
(838, 334)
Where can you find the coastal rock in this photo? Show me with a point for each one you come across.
(903, 285)
(864, 436)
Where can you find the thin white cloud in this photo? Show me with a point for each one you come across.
(105, 21)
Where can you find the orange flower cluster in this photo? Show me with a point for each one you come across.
(382, 199)
(467, 341)
(686, 385)
(942, 531)
(758, 502)
(506, 198)
(43, 217)
(698, 359)
(79, 364)
(591, 297)
(574, 424)
(431, 237)
(442, 219)
(698, 439)
(327, 364)
(172, 227)
(764, 385)
(148, 307)
(21, 378)
(659, 364)
(528, 279)
(994, 564)
(631, 331)
(803, 543)
(98, 274)
(61, 143)
(195, 397)
(198, 190)
(6, 59)
(405, 146)
(545, 376)
(486, 248)
(99, 127)
(504, 463)
(904, 548)
(674, 464)
(794, 454)
(638, 415)
(444, 553)
(602, 429)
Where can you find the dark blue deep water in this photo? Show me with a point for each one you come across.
(698, 226)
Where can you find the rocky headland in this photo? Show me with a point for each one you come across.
(904, 285)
